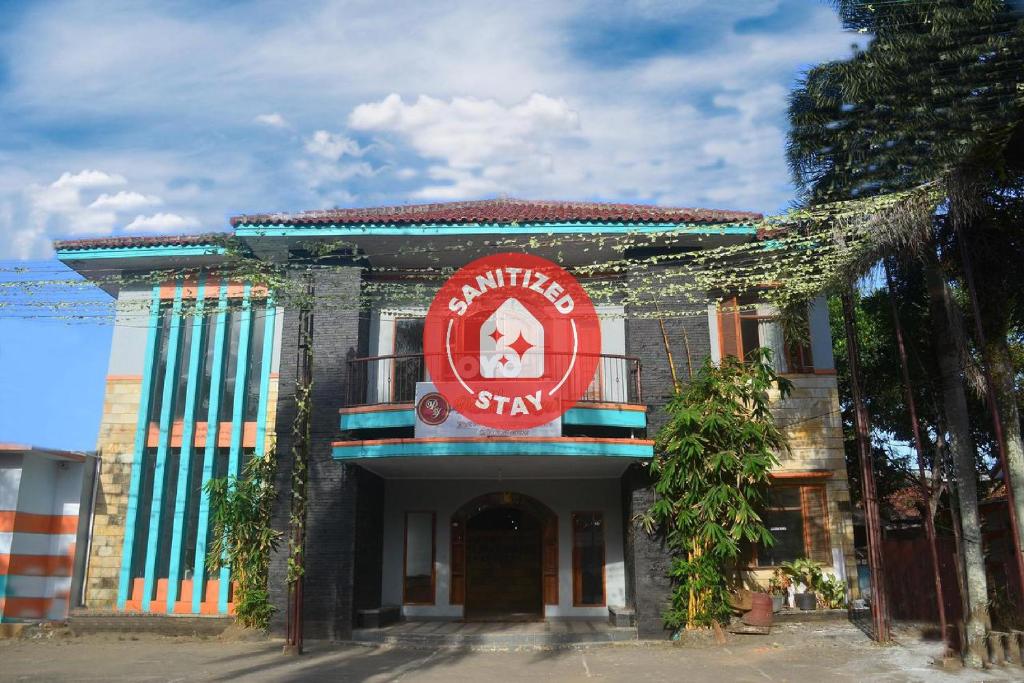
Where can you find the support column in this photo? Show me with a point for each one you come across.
(195, 375)
(212, 431)
(160, 471)
(141, 433)
(237, 421)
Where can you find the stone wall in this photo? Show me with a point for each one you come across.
(811, 420)
(115, 447)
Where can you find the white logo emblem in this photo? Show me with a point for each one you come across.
(512, 343)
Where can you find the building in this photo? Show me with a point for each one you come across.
(503, 526)
(41, 493)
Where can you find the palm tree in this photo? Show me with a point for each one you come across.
(935, 96)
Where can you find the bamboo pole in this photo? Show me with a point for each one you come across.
(300, 475)
(929, 525)
(879, 606)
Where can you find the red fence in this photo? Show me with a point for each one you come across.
(911, 582)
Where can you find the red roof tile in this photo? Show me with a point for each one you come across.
(157, 241)
(501, 211)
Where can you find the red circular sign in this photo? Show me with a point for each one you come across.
(512, 341)
(433, 409)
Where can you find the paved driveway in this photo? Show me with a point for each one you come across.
(794, 652)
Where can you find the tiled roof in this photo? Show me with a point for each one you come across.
(158, 241)
(501, 211)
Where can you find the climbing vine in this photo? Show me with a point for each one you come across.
(243, 538)
(710, 473)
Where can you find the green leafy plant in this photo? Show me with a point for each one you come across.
(779, 582)
(831, 592)
(243, 538)
(805, 571)
(713, 461)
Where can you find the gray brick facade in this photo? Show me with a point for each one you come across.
(345, 502)
(647, 561)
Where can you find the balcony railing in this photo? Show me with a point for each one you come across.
(392, 379)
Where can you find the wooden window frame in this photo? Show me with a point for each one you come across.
(394, 351)
(804, 486)
(577, 579)
(433, 556)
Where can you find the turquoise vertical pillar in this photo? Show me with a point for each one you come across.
(237, 420)
(268, 355)
(145, 399)
(212, 430)
(188, 430)
(160, 471)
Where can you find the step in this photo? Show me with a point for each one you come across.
(110, 621)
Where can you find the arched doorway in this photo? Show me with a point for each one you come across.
(504, 557)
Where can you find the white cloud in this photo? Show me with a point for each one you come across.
(468, 132)
(332, 146)
(533, 99)
(274, 120)
(161, 222)
(88, 179)
(125, 201)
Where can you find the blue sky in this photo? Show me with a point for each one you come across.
(151, 118)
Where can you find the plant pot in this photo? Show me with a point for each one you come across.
(778, 602)
(807, 600)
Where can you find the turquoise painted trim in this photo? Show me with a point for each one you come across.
(605, 417)
(413, 448)
(265, 361)
(210, 452)
(378, 420)
(160, 471)
(131, 514)
(138, 252)
(195, 374)
(237, 420)
(443, 229)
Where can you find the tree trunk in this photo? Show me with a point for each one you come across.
(962, 451)
(997, 357)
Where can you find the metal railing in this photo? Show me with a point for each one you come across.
(392, 379)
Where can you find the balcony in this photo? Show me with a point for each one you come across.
(382, 390)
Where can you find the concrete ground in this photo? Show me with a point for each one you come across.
(793, 652)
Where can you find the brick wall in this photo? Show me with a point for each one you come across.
(340, 497)
(647, 561)
(115, 447)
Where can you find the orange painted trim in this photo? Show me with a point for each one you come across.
(610, 406)
(378, 408)
(201, 430)
(29, 523)
(803, 474)
(275, 375)
(124, 378)
(37, 565)
(211, 290)
(386, 407)
(483, 439)
(26, 608)
(183, 606)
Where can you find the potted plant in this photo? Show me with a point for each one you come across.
(807, 575)
(778, 588)
(831, 592)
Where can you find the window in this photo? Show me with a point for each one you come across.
(738, 332)
(407, 367)
(797, 516)
(587, 559)
(418, 582)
